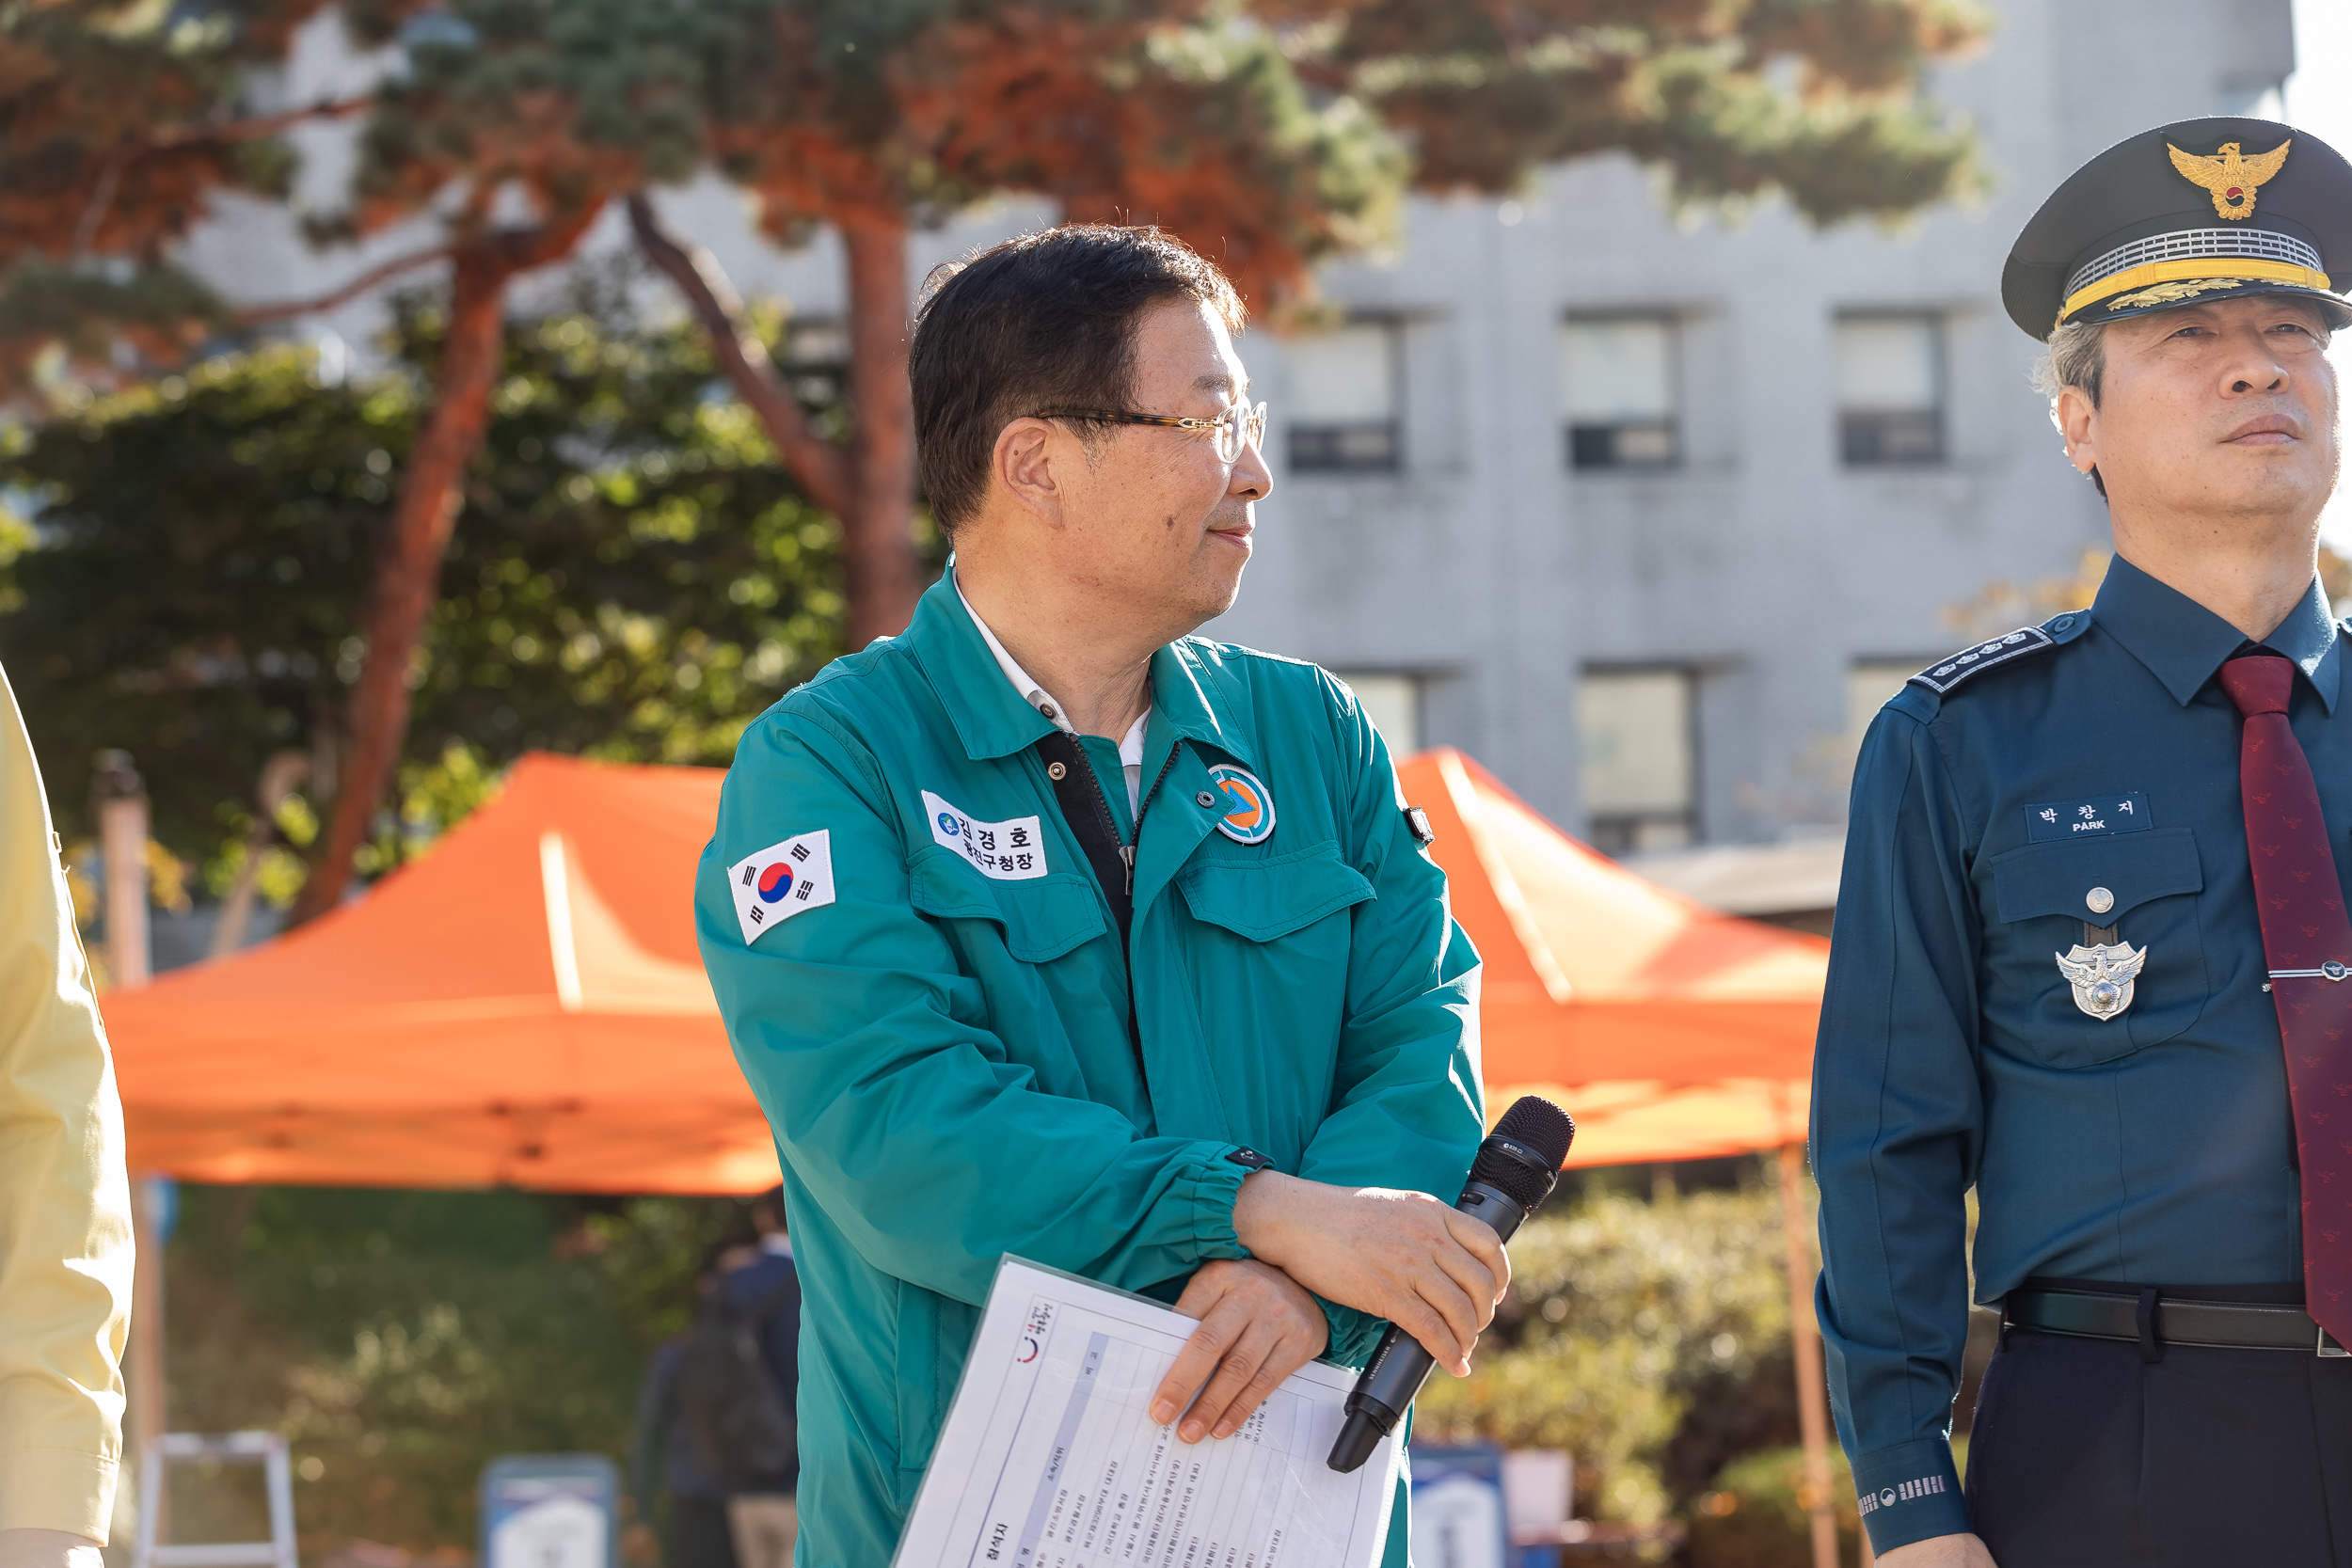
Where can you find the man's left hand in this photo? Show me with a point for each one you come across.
(1257, 1327)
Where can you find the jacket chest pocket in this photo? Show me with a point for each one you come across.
(1274, 928)
(1041, 917)
(1266, 899)
(2148, 883)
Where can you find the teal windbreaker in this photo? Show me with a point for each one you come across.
(923, 981)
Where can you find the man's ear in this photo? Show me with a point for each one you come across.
(2077, 419)
(1023, 465)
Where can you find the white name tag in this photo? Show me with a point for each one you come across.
(781, 881)
(1011, 850)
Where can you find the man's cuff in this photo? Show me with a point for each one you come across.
(1909, 1493)
(1218, 1172)
(1354, 1335)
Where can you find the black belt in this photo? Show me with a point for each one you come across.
(2152, 1319)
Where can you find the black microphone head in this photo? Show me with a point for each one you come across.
(1541, 1126)
(1522, 1156)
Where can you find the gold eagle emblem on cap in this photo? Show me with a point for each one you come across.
(2229, 178)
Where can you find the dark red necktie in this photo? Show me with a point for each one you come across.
(2307, 943)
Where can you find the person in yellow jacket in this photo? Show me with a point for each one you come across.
(65, 1200)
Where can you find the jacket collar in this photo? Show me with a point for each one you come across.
(1194, 696)
(991, 718)
(2183, 643)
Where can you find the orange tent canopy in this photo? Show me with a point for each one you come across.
(524, 1005)
(1670, 1031)
(521, 1006)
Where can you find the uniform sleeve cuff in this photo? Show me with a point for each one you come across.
(1909, 1493)
(1354, 1335)
(1215, 1186)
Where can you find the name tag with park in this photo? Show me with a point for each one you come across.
(2086, 816)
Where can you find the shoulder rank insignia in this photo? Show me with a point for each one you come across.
(1941, 677)
(2102, 977)
(2229, 178)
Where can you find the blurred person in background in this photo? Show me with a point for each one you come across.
(712, 1425)
(65, 1200)
(763, 1290)
(2092, 950)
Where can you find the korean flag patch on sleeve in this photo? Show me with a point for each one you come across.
(782, 881)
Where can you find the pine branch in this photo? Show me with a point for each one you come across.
(813, 461)
(286, 311)
(255, 128)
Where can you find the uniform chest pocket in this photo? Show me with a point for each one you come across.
(1041, 917)
(1268, 898)
(2149, 884)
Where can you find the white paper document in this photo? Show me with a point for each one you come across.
(1050, 1459)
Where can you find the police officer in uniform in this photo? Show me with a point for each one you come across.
(1049, 928)
(2090, 949)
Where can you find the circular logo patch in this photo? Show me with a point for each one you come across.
(1248, 804)
(774, 883)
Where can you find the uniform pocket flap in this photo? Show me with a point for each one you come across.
(2057, 878)
(1263, 899)
(1043, 917)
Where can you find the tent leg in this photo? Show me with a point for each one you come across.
(143, 1369)
(1812, 1382)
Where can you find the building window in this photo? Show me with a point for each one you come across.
(1618, 392)
(1641, 759)
(1890, 390)
(1869, 684)
(1393, 703)
(1341, 399)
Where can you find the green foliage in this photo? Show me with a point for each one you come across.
(401, 1339)
(1756, 1517)
(568, 101)
(633, 577)
(1649, 1339)
(118, 124)
(1730, 99)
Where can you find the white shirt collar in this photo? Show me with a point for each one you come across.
(1130, 748)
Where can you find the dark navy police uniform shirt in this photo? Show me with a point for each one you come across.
(2154, 1147)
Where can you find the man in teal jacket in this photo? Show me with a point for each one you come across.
(1050, 929)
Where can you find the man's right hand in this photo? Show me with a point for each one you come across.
(1431, 1270)
(1940, 1551)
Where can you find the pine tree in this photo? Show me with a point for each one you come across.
(1270, 134)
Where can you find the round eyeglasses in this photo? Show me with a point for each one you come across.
(1240, 425)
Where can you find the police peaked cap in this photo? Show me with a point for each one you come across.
(2197, 211)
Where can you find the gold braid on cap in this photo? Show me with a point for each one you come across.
(2218, 258)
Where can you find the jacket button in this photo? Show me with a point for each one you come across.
(1056, 771)
(2100, 900)
(1205, 799)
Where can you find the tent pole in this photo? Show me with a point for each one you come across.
(123, 829)
(143, 1368)
(1812, 1382)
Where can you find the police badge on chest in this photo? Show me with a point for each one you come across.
(2103, 974)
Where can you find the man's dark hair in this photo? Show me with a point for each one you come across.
(1043, 322)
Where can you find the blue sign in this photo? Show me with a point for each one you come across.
(1458, 1517)
(549, 1511)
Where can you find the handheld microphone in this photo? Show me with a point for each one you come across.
(1516, 1169)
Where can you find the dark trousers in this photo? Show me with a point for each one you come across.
(2084, 1455)
(699, 1535)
